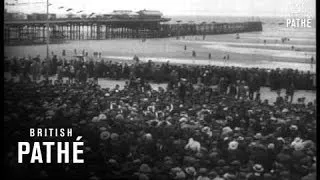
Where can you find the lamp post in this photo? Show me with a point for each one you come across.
(48, 31)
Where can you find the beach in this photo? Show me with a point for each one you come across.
(247, 51)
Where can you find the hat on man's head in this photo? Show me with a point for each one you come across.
(298, 146)
(83, 122)
(203, 178)
(95, 119)
(212, 174)
(271, 146)
(148, 136)
(258, 168)
(281, 139)
(180, 175)
(258, 136)
(235, 163)
(233, 145)
(203, 170)
(293, 127)
(102, 117)
(191, 171)
(221, 162)
(228, 176)
(114, 136)
(102, 128)
(119, 117)
(144, 168)
(104, 135)
(218, 178)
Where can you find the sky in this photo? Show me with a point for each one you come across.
(175, 7)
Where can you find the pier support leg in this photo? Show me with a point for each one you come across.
(98, 31)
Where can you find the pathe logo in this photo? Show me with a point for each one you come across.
(300, 15)
(299, 23)
(62, 149)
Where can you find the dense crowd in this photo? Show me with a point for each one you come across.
(187, 131)
(210, 75)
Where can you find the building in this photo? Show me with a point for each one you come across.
(14, 16)
(123, 14)
(149, 14)
(40, 16)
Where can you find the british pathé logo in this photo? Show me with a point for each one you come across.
(299, 23)
(300, 15)
(65, 152)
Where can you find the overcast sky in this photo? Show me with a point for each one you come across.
(176, 7)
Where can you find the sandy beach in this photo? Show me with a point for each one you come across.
(248, 51)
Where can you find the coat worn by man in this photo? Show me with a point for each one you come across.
(83, 76)
(54, 64)
(35, 70)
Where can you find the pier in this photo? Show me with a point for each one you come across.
(33, 32)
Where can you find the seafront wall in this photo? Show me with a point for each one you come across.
(35, 32)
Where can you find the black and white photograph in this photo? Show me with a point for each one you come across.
(160, 89)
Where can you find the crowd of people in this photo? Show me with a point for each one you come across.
(187, 131)
(211, 75)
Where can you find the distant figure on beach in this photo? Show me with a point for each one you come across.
(185, 47)
(264, 41)
(225, 58)
(194, 54)
(285, 39)
(292, 47)
(237, 37)
(209, 56)
(75, 51)
(64, 52)
(312, 59)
